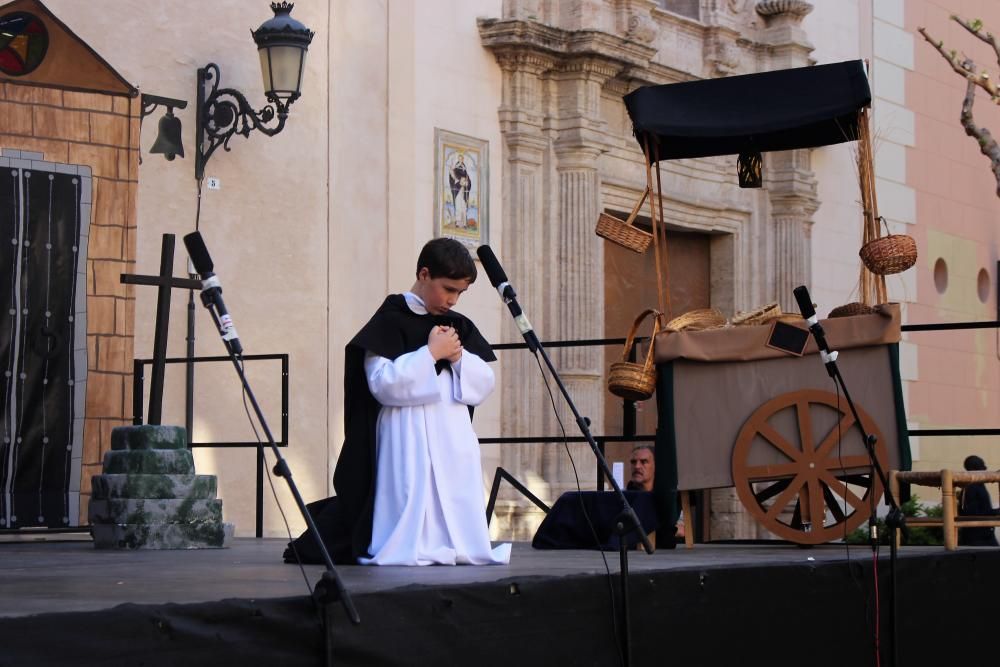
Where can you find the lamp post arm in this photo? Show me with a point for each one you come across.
(224, 112)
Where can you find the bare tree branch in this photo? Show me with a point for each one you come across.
(987, 144)
(975, 26)
(966, 68)
(981, 79)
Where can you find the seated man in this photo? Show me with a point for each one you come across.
(642, 472)
(976, 502)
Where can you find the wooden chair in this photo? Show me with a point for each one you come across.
(946, 480)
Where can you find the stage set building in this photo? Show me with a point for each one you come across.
(311, 228)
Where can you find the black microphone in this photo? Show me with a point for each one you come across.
(809, 314)
(499, 280)
(211, 289)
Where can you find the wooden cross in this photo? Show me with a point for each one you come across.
(165, 281)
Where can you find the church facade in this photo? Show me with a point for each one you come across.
(311, 228)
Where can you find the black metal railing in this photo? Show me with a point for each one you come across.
(628, 433)
(629, 411)
(138, 384)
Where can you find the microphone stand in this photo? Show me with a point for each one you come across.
(894, 519)
(330, 587)
(627, 520)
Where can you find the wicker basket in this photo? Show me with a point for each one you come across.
(851, 309)
(697, 320)
(889, 254)
(624, 233)
(762, 315)
(630, 380)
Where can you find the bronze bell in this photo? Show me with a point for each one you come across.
(168, 137)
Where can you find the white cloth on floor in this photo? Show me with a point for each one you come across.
(429, 506)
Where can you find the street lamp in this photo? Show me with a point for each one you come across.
(282, 43)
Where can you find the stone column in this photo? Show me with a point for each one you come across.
(524, 258)
(788, 176)
(578, 313)
(792, 191)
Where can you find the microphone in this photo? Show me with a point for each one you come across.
(499, 280)
(211, 289)
(809, 314)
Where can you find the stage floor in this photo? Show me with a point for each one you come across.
(65, 603)
(67, 576)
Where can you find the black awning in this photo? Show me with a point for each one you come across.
(803, 107)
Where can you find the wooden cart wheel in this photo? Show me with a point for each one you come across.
(818, 483)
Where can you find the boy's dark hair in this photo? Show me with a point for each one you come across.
(447, 258)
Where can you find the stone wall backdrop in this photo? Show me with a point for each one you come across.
(569, 153)
(69, 127)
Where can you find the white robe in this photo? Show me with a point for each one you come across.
(429, 506)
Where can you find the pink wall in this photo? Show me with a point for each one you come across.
(958, 212)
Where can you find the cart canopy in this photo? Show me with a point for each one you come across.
(802, 107)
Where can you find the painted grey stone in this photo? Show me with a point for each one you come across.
(196, 535)
(154, 486)
(154, 510)
(148, 436)
(149, 462)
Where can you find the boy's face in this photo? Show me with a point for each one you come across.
(439, 294)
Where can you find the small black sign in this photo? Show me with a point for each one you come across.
(788, 338)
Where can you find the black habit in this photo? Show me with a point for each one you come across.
(345, 520)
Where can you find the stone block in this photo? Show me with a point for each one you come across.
(34, 94)
(104, 395)
(148, 436)
(111, 354)
(53, 150)
(108, 277)
(90, 101)
(15, 118)
(103, 160)
(125, 313)
(54, 123)
(128, 165)
(106, 241)
(91, 441)
(197, 535)
(110, 202)
(108, 129)
(91, 351)
(154, 486)
(149, 462)
(101, 315)
(154, 510)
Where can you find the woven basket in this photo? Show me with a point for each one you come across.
(851, 309)
(889, 254)
(697, 320)
(762, 315)
(624, 233)
(633, 381)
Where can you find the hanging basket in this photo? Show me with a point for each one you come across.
(624, 233)
(889, 254)
(630, 380)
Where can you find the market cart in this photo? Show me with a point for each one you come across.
(732, 411)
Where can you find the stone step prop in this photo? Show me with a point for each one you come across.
(196, 535)
(150, 497)
(154, 510)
